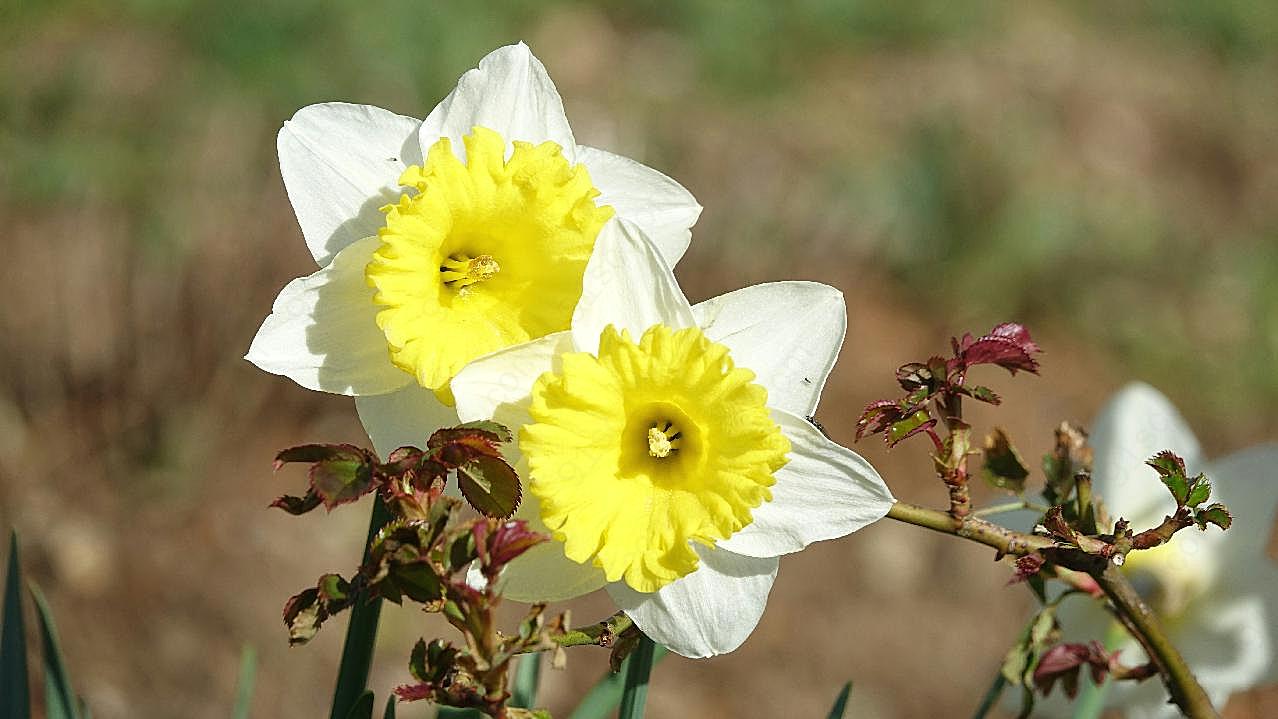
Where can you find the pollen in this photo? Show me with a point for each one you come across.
(481, 253)
(647, 447)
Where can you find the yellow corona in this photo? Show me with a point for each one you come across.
(646, 447)
(487, 252)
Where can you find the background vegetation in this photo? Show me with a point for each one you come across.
(1106, 174)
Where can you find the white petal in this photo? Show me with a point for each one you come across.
(404, 418)
(543, 573)
(322, 331)
(661, 207)
(824, 492)
(340, 163)
(711, 611)
(1244, 482)
(1229, 646)
(788, 333)
(627, 285)
(498, 385)
(509, 92)
(1136, 424)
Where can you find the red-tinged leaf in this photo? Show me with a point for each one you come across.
(490, 485)
(495, 428)
(1063, 662)
(1215, 514)
(509, 540)
(1002, 352)
(402, 454)
(312, 453)
(306, 611)
(902, 430)
(1171, 470)
(983, 394)
(339, 481)
(914, 376)
(877, 417)
(1055, 523)
(298, 505)
(477, 437)
(1026, 567)
(414, 692)
(1003, 466)
(1017, 333)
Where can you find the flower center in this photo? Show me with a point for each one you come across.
(482, 253)
(663, 440)
(647, 447)
(459, 272)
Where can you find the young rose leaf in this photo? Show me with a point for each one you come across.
(490, 485)
(341, 480)
(298, 505)
(494, 428)
(1026, 567)
(983, 394)
(1215, 514)
(508, 541)
(312, 453)
(914, 376)
(1171, 469)
(1199, 491)
(903, 429)
(877, 416)
(1003, 467)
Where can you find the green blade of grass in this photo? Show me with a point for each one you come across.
(841, 702)
(991, 695)
(527, 677)
(59, 699)
(390, 708)
(605, 695)
(635, 692)
(361, 634)
(362, 708)
(13, 643)
(245, 681)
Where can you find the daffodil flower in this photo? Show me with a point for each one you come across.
(1216, 592)
(442, 240)
(666, 446)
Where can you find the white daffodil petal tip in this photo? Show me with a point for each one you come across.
(788, 333)
(825, 491)
(340, 163)
(627, 285)
(511, 93)
(709, 612)
(322, 331)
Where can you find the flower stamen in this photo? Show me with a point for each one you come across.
(663, 440)
(459, 272)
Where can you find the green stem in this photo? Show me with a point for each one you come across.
(1010, 507)
(991, 695)
(636, 692)
(1185, 690)
(1181, 683)
(361, 633)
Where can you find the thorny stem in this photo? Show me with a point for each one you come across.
(1183, 686)
(1140, 621)
(599, 634)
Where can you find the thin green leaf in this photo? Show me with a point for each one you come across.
(390, 708)
(841, 702)
(361, 634)
(245, 681)
(605, 695)
(13, 643)
(635, 693)
(991, 696)
(362, 708)
(59, 699)
(527, 677)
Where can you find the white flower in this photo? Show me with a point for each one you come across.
(444, 239)
(1216, 592)
(641, 431)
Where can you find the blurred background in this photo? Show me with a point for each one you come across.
(1105, 173)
